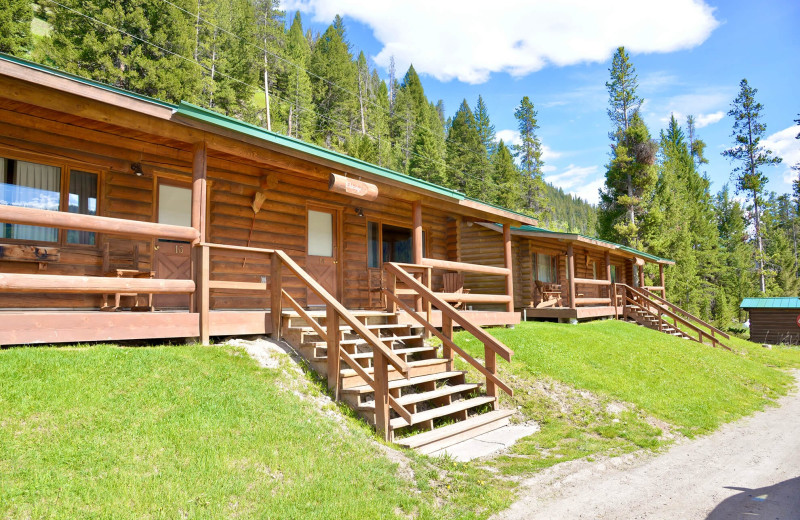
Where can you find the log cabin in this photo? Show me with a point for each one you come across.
(773, 321)
(557, 275)
(128, 218)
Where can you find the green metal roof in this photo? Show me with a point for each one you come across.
(771, 303)
(195, 112)
(620, 246)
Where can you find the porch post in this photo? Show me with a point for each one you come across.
(416, 243)
(661, 276)
(571, 275)
(641, 276)
(508, 265)
(607, 260)
(202, 254)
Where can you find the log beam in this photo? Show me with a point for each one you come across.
(507, 262)
(571, 274)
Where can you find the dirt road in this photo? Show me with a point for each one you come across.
(748, 469)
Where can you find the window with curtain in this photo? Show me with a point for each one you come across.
(613, 274)
(373, 245)
(546, 268)
(82, 200)
(387, 243)
(30, 185)
(594, 270)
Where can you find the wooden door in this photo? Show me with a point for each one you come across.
(173, 259)
(322, 250)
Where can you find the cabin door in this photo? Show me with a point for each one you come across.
(322, 252)
(173, 259)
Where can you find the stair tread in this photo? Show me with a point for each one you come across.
(424, 396)
(413, 350)
(441, 411)
(305, 328)
(400, 383)
(382, 338)
(437, 434)
(349, 372)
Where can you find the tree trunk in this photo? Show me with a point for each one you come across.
(266, 89)
(760, 260)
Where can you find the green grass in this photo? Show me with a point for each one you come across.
(689, 385)
(198, 432)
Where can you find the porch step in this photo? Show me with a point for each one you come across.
(359, 341)
(439, 438)
(441, 411)
(402, 383)
(370, 355)
(424, 396)
(350, 377)
(347, 328)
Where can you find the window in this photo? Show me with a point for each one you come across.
(386, 243)
(613, 274)
(594, 270)
(546, 268)
(32, 185)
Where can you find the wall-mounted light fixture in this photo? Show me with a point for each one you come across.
(137, 169)
(359, 212)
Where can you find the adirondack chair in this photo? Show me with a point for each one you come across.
(132, 272)
(548, 294)
(454, 283)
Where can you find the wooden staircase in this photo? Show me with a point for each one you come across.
(655, 312)
(444, 407)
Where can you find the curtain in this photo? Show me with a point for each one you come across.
(544, 268)
(31, 185)
(83, 200)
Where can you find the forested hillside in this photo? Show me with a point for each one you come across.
(243, 58)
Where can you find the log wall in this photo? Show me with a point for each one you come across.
(774, 326)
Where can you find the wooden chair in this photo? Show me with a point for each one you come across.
(549, 294)
(375, 280)
(454, 283)
(133, 272)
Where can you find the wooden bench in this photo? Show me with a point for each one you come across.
(133, 272)
(549, 295)
(454, 284)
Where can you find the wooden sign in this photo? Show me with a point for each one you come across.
(352, 187)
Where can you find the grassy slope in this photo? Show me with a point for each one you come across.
(171, 432)
(691, 387)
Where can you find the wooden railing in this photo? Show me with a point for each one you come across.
(383, 356)
(579, 301)
(639, 299)
(683, 313)
(43, 283)
(465, 297)
(450, 318)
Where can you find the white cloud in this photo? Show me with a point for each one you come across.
(509, 137)
(462, 39)
(703, 120)
(783, 144)
(581, 181)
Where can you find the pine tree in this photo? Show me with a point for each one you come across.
(427, 159)
(15, 26)
(696, 145)
(751, 156)
(299, 109)
(334, 85)
(630, 176)
(464, 153)
(484, 126)
(736, 276)
(103, 53)
(529, 154)
(507, 178)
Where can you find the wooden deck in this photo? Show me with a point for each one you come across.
(65, 326)
(564, 313)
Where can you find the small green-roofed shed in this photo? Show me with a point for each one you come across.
(774, 320)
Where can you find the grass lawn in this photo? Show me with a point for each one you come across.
(693, 388)
(199, 432)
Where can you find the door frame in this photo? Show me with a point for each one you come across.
(160, 179)
(338, 213)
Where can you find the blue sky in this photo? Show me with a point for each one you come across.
(690, 56)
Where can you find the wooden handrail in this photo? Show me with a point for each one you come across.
(448, 310)
(94, 223)
(322, 333)
(687, 314)
(473, 297)
(448, 342)
(39, 283)
(462, 266)
(700, 332)
(591, 281)
(342, 311)
(237, 248)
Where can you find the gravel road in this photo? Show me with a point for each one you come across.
(748, 469)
